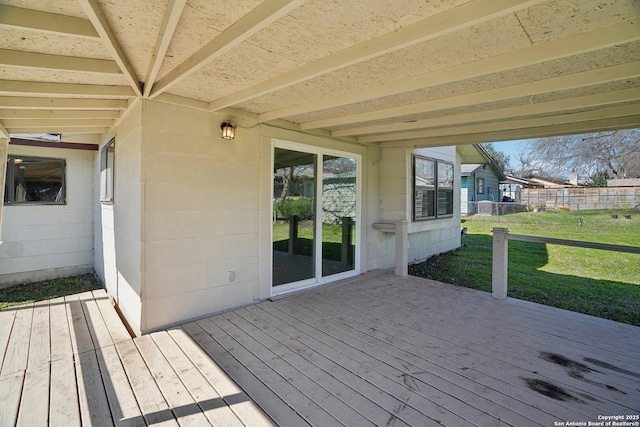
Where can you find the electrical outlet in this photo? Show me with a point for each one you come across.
(231, 276)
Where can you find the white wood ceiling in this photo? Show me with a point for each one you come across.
(411, 72)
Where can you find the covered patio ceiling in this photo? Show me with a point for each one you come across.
(411, 72)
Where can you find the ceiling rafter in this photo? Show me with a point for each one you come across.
(261, 16)
(55, 123)
(546, 108)
(100, 23)
(582, 116)
(16, 58)
(22, 114)
(616, 123)
(21, 87)
(168, 27)
(21, 102)
(449, 21)
(4, 134)
(36, 20)
(572, 81)
(64, 129)
(568, 46)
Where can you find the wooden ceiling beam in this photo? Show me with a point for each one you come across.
(45, 22)
(167, 29)
(100, 23)
(35, 103)
(21, 114)
(569, 46)
(449, 21)
(55, 123)
(260, 17)
(538, 87)
(17, 58)
(63, 129)
(20, 87)
(541, 108)
(4, 134)
(583, 116)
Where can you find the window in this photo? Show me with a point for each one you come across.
(480, 186)
(433, 188)
(34, 180)
(107, 162)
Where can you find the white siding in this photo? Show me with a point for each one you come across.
(44, 241)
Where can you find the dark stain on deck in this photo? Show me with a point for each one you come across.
(611, 367)
(548, 389)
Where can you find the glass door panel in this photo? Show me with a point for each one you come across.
(339, 200)
(294, 204)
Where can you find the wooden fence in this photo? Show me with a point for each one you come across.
(588, 198)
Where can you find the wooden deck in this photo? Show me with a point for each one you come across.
(71, 362)
(373, 350)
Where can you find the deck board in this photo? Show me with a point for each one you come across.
(34, 402)
(17, 351)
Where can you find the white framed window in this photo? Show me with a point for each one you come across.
(432, 188)
(107, 164)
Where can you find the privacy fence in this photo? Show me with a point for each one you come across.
(587, 198)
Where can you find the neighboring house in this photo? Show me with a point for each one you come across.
(479, 182)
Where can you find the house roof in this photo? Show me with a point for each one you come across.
(390, 72)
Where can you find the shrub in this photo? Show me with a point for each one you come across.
(287, 208)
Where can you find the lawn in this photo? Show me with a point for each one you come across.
(32, 292)
(600, 283)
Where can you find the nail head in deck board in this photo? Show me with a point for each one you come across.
(10, 386)
(34, 402)
(269, 401)
(94, 407)
(64, 409)
(173, 390)
(212, 405)
(122, 402)
(17, 351)
(153, 405)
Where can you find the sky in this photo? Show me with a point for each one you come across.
(510, 148)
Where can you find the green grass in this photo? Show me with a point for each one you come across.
(38, 291)
(600, 283)
(331, 243)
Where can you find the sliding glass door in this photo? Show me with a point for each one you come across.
(315, 216)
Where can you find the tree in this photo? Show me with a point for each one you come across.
(501, 159)
(615, 153)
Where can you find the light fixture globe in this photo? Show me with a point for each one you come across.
(228, 130)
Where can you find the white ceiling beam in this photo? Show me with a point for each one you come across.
(45, 22)
(168, 27)
(21, 102)
(541, 108)
(572, 81)
(616, 123)
(20, 87)
(21, 114)
(568, 46)
(17, 58)
(449, 21)
(100, 23)
(55, 123)
(66, 130)
(602, 113)
(260, 17)
(4, 134)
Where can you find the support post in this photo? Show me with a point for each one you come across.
(293, 235)
(402, 249)
(500, 263)
(4, 149)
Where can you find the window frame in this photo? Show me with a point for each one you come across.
(107, 181)
(433, 191)
(480, 186)
(9, 198)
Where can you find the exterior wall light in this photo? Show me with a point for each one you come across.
(228, 130)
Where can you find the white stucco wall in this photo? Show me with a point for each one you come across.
(40, 242)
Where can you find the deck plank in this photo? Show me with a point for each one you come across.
(213, 405)
(114, 324)
(64, 409)
(155, 409)
(40, 341)
(97, 327)
(34, 402)
(94, 407)
(17, 352)
(123, 405)
(185, 408)
(10, 388)
(60, 333)
(7, 317)
(273, 404)
(78, 329)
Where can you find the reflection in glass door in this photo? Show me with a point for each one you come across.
(315, 208)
